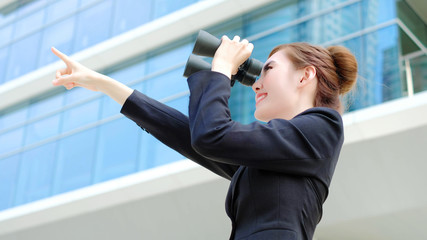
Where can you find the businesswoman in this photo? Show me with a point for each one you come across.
(280, 170)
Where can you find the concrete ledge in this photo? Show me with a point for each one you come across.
(138, 186)
(387, 118)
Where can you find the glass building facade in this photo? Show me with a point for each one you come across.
(66, 140)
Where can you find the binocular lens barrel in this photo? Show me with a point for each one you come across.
(206, 45)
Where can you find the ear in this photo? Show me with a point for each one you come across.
(308, 75)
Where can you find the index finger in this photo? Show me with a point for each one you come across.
(61, 55)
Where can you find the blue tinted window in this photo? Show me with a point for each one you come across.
(154, 153)
(13, 118)
(59, 35)
(129, 14)
(166, 84)
(379, 11)
(11, 140)
(58, 9)
(374, 72)
(129, 74)
(5, 34)
(87, 3)
(23, 56)
(109, 107)
(9, 168)
(117, 149)
(163, 7)
(42, 129)
(333, 25)
(45, 106)
(272, 16)
(93, 25)
(3, 63)
(28, 7)
(169, 59)
(75, 161)
(264, 45)
(81, 115)
(29, 24)
(36, 174)
(78, 94)
(7, 19)
(158, 153)
(419, 73)
(242, 103)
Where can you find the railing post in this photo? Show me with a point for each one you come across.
(409, 82)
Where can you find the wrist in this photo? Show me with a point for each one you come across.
(114, 89)
(102, 82)
(225, 69)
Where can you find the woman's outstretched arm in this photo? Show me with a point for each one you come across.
(166, 124)
(77, 75)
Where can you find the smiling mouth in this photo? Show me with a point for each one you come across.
(260, 97)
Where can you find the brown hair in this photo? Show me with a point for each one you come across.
(336, 70)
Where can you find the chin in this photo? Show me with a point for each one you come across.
(260, 117)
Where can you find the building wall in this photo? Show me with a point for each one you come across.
(65, 140)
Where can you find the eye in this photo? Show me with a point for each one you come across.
(267, 67)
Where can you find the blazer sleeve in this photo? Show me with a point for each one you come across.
(171, 127)
(309, 144)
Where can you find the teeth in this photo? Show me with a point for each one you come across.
(261, 97)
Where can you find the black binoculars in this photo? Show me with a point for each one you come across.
(206, 45)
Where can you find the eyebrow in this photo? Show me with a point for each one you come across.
(268, 64)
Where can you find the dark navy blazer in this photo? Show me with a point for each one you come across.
(279, 171)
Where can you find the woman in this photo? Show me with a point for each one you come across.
(280, 170)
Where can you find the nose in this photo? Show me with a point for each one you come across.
(257, 85)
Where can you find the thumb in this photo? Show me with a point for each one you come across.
(63, 80)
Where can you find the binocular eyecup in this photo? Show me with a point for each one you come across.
(206, 45)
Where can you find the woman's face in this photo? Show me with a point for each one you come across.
(276, 90)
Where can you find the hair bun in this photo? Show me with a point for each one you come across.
(346, 67)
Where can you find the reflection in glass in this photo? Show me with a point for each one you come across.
(130, 14)
(50, 103)
(93, 25)
(8, 177)
(274, 15)
(23, 56)
(60, 36)
(163, 7)
(42, 129)
(58, 9)
(29, 24)
(154, 153)
(168, 59)
(13, 117)
(4, 54)
(5, 34)
(76, 155)
(36, 174)
(81, 115)
(117, 149)
(11, 140)
(419, 73)
(166, 84)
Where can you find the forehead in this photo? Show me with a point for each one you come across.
(279, 57)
